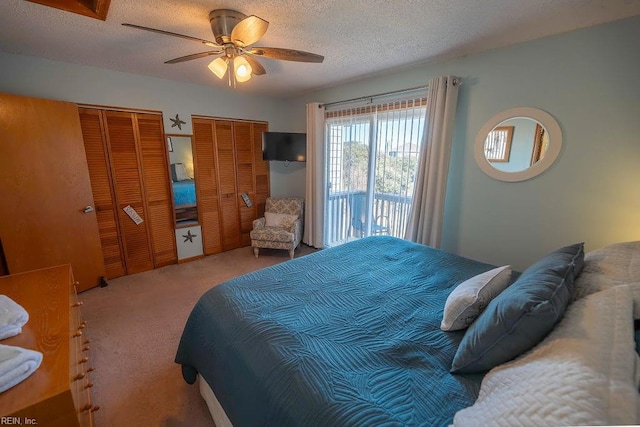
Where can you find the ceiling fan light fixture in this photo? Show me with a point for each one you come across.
(219, 67)
(242, 69)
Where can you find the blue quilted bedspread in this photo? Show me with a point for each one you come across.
(184, 193)
(347, 336)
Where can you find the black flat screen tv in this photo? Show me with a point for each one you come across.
(284, 146)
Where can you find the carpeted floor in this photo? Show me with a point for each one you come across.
(134, 326)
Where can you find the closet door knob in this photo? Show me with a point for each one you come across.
(87, 209)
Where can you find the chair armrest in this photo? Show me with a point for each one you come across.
(258, 224)
(296, 229)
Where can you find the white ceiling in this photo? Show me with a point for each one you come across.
(356, 37)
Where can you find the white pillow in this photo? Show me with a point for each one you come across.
(181, 172)
(470, 297)
(279, 220)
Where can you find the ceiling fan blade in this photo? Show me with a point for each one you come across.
(286, 54)
(193, 56)
(249, 30)
(257, 67)
(169, 33)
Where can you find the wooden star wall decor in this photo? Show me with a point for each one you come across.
(177, 122)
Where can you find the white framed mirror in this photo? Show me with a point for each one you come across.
(518, 144)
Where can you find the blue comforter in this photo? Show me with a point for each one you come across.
(347, 336)
(184, 192)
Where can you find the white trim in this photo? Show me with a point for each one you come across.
(550, 156)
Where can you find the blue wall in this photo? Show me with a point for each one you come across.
(589, 80)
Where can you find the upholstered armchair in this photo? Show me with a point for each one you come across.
(281, 226)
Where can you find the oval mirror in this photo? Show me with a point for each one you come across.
(518, 144)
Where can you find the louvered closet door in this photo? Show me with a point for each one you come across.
(100, 175)
(127, 181)
(230, 221)
(155, 175)
(206, 174)
(260, 169)
(245, 178)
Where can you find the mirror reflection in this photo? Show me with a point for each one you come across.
(182, 176)
(516, 144)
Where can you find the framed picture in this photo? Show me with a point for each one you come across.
(169, 144)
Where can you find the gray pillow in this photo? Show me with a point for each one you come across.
(523, 314)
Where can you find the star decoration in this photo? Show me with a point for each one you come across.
(177, 122)
(189, 236)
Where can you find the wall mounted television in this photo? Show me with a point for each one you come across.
(284, 146)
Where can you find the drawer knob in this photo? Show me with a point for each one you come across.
(81, 326)
(85, 348)
(77, 304)
(86, 341)
(88, 385)
(83, 360)
(79, 376)
(86, 407)
(90, 369)
(78, 333)
(95, 408)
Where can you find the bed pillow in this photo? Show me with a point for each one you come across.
(470, 297)
(179, 172)
(582, 373)
(279, 220)
(523, 314)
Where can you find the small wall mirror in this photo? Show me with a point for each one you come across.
(518, 144)
(182, 177)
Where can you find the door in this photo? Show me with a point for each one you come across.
(45, 186)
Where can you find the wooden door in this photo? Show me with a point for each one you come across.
(227, 190)
(127, 183)
(45, 187)
(260, 168)
(206, 174)
(95, 146)
(157, 190)
(245, 178)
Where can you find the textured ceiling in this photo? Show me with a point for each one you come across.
(356, 37)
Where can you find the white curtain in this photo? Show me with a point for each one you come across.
(315, 186)
(427, 210)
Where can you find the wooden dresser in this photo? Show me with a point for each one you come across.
(58, 393)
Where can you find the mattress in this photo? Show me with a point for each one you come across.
(345, 336)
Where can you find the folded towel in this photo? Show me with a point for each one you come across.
(16, 364)
(12, 317)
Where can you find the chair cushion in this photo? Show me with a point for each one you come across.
(273, 219)
(273, 234)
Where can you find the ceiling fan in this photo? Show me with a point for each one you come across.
(234, 34)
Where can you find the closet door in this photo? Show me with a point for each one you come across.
(260, 168)
(157, 191)
(45, 186)
(127, 183)
(95, 146)
(230, 219)
(245, 178)
(206, 174)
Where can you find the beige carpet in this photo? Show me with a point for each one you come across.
(135, 324)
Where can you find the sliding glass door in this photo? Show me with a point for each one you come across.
(371, 164)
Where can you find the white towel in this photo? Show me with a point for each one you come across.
(16, 364)
(12, 317)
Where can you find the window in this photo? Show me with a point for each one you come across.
(497, 146)
(371, 165)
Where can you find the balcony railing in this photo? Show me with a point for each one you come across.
(389, 212)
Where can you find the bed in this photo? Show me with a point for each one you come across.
(352, 336)
(184, 193)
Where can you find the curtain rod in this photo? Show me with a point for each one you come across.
(393, 92)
